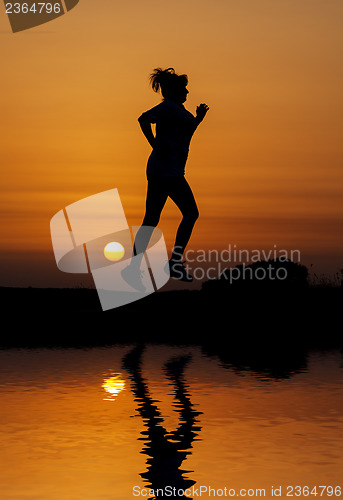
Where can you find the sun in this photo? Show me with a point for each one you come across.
(114, 251)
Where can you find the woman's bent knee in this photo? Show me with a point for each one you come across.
(191, 218)
(195, 215)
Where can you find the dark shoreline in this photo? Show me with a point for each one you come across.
(73, 317)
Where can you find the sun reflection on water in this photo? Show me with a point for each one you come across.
(113, 385)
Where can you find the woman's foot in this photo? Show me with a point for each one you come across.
(178, 271)
(133, 277)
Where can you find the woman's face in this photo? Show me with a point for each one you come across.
(177, 93)
(181, 94)
(185, 93)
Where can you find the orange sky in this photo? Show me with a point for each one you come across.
(265, 165)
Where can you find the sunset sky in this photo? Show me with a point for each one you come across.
(265, 165)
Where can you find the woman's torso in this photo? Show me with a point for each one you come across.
(174, 129)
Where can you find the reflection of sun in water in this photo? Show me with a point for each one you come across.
(113, 386)
(114, 251)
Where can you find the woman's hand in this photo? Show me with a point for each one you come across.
(201, 111)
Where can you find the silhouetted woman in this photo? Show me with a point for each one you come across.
(175, 127)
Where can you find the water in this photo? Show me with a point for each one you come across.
(109, 423)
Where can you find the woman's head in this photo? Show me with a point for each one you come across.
(171, 85)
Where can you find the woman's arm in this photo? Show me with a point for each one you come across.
(145, 124)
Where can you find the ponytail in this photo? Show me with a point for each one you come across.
(166, 81)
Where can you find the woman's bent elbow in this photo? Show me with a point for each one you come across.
(142, 118)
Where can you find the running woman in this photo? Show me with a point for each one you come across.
(175, 127)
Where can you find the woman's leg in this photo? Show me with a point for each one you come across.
(182, 195)
(156, 198)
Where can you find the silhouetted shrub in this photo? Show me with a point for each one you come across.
(278, 274)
